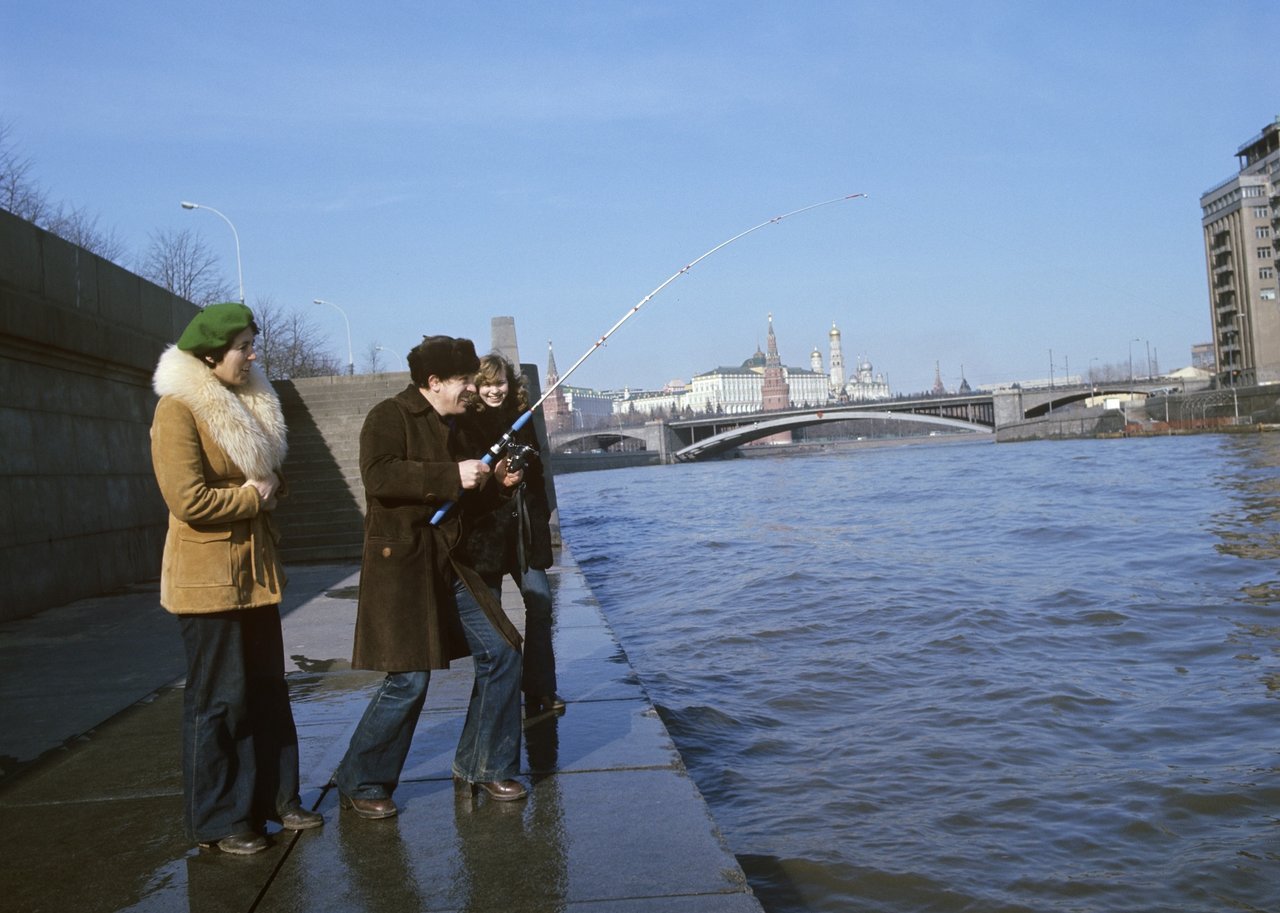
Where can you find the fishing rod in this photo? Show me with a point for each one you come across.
(509, 436)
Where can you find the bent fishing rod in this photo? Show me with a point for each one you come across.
(509, 435)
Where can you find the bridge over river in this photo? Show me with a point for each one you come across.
(709, 436)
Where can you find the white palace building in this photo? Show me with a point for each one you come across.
(730, 390)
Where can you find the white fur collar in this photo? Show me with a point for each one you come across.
(246, 421)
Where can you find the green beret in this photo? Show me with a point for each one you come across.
(214, 327)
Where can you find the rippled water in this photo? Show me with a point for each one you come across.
(959, 676)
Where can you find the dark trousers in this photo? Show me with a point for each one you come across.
(539, 677)
(239, 745)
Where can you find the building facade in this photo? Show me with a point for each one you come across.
(1240, 220)
(761, 383)
(741, 390)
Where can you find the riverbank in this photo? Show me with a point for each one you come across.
(90, 710)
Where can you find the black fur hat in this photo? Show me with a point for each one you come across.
(443, 357)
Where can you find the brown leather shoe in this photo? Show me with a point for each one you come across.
(498, 790)
(245, 844)
(369, 808)
(299, 819)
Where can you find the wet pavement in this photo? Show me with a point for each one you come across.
(90, 713)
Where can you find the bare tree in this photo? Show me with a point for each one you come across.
(290, 345)
(1108, 373)
(21, 195)
(80, 227)
(19, 192)
(374, 359)
(181, 262)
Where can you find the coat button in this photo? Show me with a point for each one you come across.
(386, 551)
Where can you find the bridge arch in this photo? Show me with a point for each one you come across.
(1069, 398)
(582, 441)
(742, 434)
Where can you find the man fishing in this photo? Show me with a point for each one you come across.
(420, 605)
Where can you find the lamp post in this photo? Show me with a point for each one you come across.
(1131, 342)
(234, 234)
(385, 349)
(351, 361)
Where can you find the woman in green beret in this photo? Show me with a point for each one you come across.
(217, 445)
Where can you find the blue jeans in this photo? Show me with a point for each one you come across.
(539, 677)
(489, 748)
(239, 744)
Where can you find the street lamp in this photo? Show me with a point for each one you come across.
(351, 362)
(1131, 342)
(392, 351)
(234, 234)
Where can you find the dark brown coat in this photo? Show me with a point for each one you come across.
(406, 620)
(521, 528)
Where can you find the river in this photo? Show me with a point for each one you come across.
(964, 676)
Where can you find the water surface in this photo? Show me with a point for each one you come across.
(1025, 677)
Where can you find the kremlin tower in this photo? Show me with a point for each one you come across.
(837, 361)
(555, 411)
(775, 393)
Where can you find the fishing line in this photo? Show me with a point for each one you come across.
(496, 450)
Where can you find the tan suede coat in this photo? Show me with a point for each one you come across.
(207, 439)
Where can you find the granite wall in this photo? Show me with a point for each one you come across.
(80, 514)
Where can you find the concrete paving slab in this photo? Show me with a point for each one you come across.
(321, 641)
(702, 903)
(95, 824)
(134, 755)
(95, 855)
(575, 840)
(617, 735)
(84, 642)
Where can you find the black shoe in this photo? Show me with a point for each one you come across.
(369, 808)
(299, 819)
(537, 704)
(498, 790)
(245, 844)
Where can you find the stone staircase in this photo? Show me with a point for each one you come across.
(322, 519)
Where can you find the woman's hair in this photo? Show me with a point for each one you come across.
(221, 352)
(493, 370)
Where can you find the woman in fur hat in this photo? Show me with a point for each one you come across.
(217, 444)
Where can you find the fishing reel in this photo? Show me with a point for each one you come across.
(519, 456)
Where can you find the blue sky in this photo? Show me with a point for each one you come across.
(1033, 168)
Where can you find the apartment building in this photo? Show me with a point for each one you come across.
(1241, 223)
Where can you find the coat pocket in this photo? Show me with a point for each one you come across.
(204, 558)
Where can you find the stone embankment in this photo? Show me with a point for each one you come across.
(1252, 409)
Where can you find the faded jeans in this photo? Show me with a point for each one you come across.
(489, 748)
